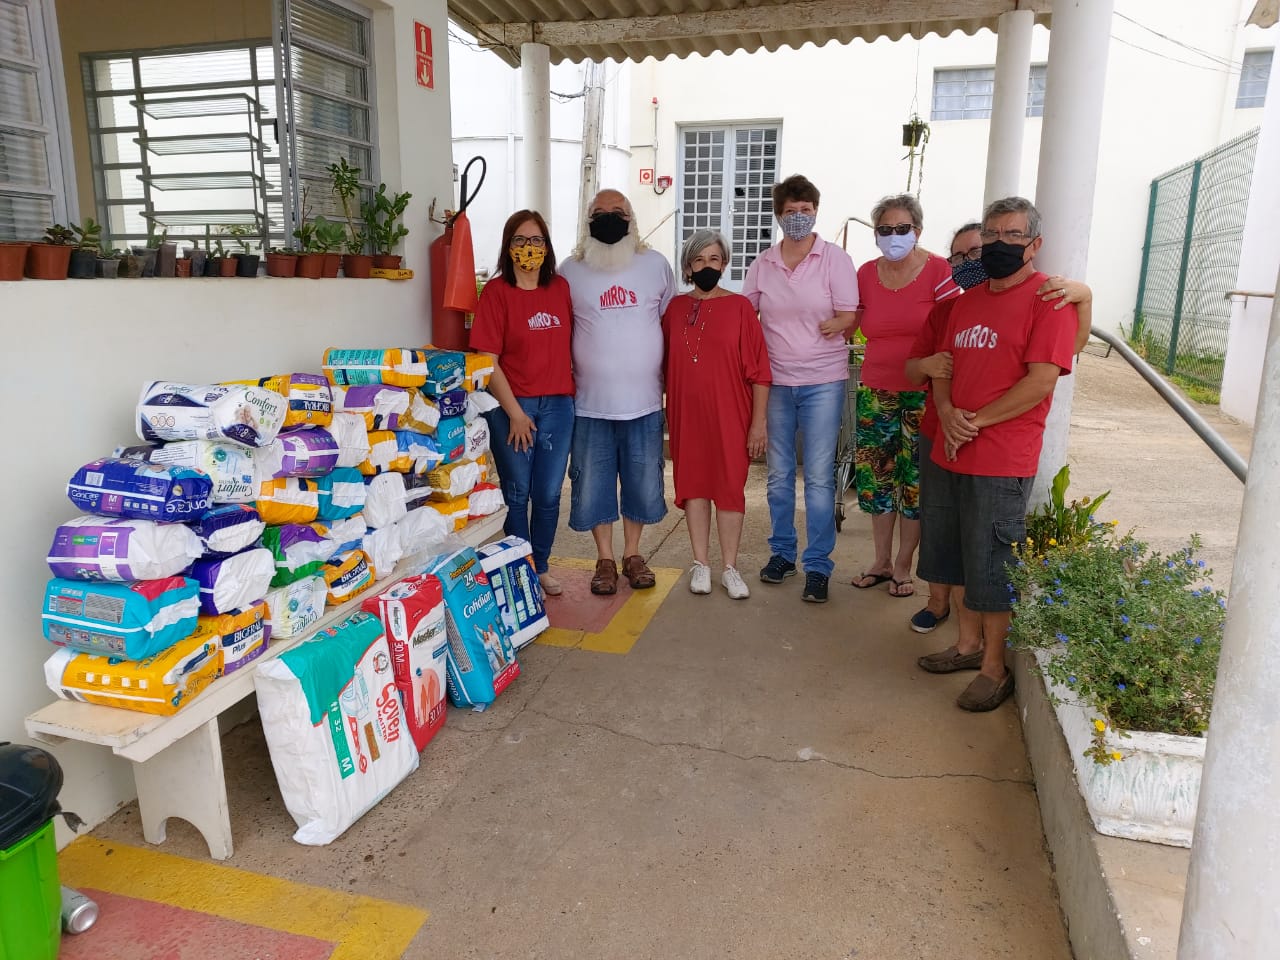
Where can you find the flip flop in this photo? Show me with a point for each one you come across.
(900, 584)
(876, 580)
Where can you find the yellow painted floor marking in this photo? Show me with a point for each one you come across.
(627, 624)
(362, 928)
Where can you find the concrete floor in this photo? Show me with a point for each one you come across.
(758, 779)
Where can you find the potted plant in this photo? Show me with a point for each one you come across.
(383, 221)
(246, 262)
(282, 262)
(84, 258)
(108, 265)
(1128, 641)
(346, 184)
(329, 238)
(50, 259)
(310, 258)
(195, 257)
(166, 255)
(149, 251)
(219, 264)
(13, 260)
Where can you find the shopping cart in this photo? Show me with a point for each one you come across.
(848, 432)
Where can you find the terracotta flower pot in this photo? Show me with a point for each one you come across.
(310, 265)
(48, 261)
(182, 268)
(332, 261)
(282, 264)
(227, 267)
(357, 266)
(387, 261)
(13, 260)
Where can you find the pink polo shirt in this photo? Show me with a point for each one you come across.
(792, 303)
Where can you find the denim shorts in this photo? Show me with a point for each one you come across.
(612, 454)
(970, 526)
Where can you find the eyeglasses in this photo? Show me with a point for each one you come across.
(1008, 236)
(973, 253)
(901, 229)
(519, 242)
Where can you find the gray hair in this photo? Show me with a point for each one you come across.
(632, 231)
(901, 201)
(999, 208)
(971, 225)
(700, 240)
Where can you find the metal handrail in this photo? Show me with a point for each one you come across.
(1233, 461)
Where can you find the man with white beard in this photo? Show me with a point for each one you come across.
(620, 289)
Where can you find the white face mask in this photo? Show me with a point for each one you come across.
(895, 247)
(797, 225)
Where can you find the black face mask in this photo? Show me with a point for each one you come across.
(609, 227)
(706, 278)
(1002, 259)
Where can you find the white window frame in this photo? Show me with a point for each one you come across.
(1255, 69)
(54, 128)
(981, 108)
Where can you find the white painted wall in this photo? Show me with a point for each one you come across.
(78, 352)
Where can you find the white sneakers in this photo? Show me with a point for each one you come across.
(731, 580)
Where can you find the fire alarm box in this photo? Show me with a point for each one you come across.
(664, 182)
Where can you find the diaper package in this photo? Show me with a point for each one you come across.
(233, 469)
(334, 727)
(477, 438)
(229, 528)
(250, 416)
(161, 684)
(140, 491)
(453, 480)
(417, 489)
(423, 531)
(101, 548)
(241, 635)
(423, 414)
(488, 474)
(456, 511)
(294, 607)
(397, 366)
(380, 405)
(418, 453)
(309, 452)
(348, 575)
(446, 370)
(309, 396)
(383, 548)
(298, 550)
(348, 534)
(509, 564)
(451, 438)
(230, 583)
(131, 620)
(479, 370)
(384, 451)
(482, 662)
(480, 403)
(384, 500)
(484, 500)
(412, 615)
(353, 439)
(288, 500)
(452, 404)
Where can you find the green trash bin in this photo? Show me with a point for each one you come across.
(30, 894)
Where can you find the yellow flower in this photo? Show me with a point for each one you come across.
(1030, 541)
(1115, 523)
(1084, 502)
(1099, 726)
(1117, 755)
(1053, 542)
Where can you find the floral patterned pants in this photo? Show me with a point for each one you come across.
(887, 459)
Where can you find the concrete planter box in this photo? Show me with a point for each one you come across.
(1149, 795)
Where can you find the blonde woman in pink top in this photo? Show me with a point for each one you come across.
(806, 291)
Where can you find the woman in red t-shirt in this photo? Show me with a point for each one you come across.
(525, 321)
(898, 289)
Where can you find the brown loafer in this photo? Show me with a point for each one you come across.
(950, 660)
(638, 573)
(985, 694)
(605, 581)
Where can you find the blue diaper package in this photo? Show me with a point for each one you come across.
(453, 403)
(130, 620)
(140, 491)
(451, 438)
(446, 370)
(341, 493)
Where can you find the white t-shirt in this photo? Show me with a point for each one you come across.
(617, 335)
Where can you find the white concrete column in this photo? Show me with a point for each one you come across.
(1229, 912)
(535, 81)
(1079, 37)
(1009, 104)
(1259, 254)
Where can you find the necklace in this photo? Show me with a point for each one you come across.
(702, 329)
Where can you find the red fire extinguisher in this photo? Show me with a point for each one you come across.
(453, 272)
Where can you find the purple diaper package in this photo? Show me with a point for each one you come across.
(453, 403)
(231, 583)
(229, 528)
(307, 452)
(140, 491)
(102, 548)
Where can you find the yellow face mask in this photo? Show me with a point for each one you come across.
(528, 257)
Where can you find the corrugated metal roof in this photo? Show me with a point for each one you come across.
(636, 29)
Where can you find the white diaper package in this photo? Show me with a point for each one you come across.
(353, 439)
(233, 469)
(383, 548)
(380, 405)
(423, 531)
(477, 438)
(384, 500)
(249, 416)
(478, 404)
(296, 606)
(485, 499)
(232, 583)
(334, 726)
(229, 528)
(347, 533)
(113, 548)
(341, 494)
(423, 414)
(454, 480)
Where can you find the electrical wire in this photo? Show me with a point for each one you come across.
(1164, 36)
(1165, 56)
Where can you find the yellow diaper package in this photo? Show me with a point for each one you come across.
(384, 451)
(457, 511)
(399, 366)
(453, 480)
(479, 370)
(242, 634)
(288, 500)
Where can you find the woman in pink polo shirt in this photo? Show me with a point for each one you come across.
(806, 290)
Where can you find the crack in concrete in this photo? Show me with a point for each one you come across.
(853, 767)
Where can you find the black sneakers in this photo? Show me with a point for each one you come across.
(815, 587)
(777, 570)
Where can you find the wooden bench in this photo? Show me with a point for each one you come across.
(177, 760)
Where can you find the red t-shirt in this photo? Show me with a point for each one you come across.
(892, 318)
(531, 334)
(992, 337)
(928, 342)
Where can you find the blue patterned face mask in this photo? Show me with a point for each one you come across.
(796, 225)
(968, 274)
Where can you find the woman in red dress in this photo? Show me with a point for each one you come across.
(717, 379)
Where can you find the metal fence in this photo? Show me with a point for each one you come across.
(1190, 260)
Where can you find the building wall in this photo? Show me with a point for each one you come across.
(86, 348)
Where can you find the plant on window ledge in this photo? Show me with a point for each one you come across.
(50, 258)
(329, 238)
(383, 219)
(346, 184)
(246, 262)
(84, 258)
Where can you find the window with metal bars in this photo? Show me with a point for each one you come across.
(966, 94)
(32, 192)
(1255, 72)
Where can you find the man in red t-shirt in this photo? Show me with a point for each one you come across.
(1008, 348)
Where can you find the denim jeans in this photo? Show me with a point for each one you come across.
(532, 479)
(815, 411)
(617, 460)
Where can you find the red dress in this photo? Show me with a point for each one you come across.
(709, 399)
